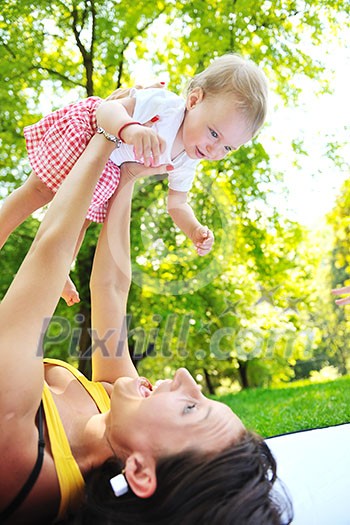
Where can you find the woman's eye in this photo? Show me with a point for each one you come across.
(214, 134)
(188, 408)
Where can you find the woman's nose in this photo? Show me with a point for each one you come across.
(183, 379)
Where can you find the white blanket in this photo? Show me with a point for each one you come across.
(315, 467)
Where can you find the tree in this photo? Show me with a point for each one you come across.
(339, 320)
(77, 44)
(78, 48)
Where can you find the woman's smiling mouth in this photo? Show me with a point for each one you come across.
(144, 386)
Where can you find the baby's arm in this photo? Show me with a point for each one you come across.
(115, 117)
(183, 216)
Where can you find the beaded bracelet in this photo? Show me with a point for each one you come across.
(109, 136)
(116, 139)
(125, 126)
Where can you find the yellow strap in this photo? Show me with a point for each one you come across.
(70, 479)
(96, 390)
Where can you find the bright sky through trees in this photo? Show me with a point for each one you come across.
(314, 186)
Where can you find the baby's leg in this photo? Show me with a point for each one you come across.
(21, 203)
(70, 294)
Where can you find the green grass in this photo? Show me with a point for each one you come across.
(270, 412)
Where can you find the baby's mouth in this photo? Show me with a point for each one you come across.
(199, 153)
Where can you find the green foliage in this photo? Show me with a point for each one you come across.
(274, 34)
(60, 49)
(248, 313)
(339, 318)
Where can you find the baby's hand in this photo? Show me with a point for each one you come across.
(148, 145)
(203, 239)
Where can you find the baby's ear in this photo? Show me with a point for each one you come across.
(194, 97)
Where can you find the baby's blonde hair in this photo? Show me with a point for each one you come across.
(240, 78)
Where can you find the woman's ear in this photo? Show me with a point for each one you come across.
(194, 97)
(140, 472)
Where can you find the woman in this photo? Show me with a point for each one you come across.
(158, 437)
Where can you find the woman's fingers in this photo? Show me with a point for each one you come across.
(125, 92)
(154, 160)
(135, 170)
(342, 291)
(342, 302)
(162, 145)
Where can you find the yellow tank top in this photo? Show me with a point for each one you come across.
(70, 479)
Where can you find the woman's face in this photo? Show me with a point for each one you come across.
(173, 417)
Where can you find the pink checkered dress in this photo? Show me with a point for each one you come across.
(55, 143)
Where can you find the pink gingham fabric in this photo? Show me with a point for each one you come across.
(55, 143)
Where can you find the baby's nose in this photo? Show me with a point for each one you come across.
(215, 151)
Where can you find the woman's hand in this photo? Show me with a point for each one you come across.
(111, 279)
(134, 170)
(125, 92)
(342, 291)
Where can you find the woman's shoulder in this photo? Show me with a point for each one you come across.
(19, 452)
(59, 375)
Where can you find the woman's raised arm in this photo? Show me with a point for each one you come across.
(33, 295)
(110, 282)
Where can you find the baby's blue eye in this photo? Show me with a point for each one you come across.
(188, 408)
(214, 134)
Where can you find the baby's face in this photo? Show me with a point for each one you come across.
(212, 127)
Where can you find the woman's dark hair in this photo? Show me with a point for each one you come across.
(234, 487)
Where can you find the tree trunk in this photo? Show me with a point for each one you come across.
(83, 267)
(85, 341)
(208, 382)
(243, 373)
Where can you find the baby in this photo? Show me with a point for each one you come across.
(224, 108)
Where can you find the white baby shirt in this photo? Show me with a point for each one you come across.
(171, 109)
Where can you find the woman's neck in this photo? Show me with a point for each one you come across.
(92, 449)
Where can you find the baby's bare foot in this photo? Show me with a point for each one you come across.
(70, 293)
